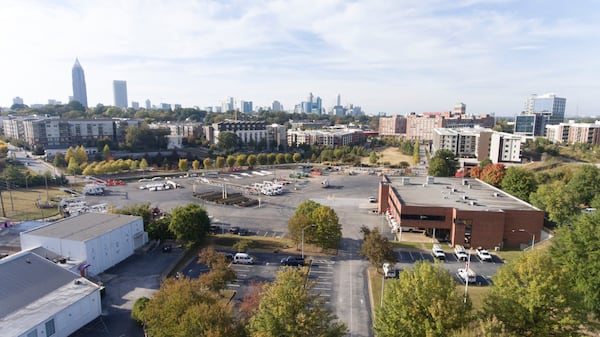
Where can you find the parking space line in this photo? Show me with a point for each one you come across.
(411, 256)
(266, 232)
(321, 272)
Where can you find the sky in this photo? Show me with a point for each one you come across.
(386, 56)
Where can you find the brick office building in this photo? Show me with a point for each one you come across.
(466, 212)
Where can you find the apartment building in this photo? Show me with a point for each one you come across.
(478, 143)
(574, 133)
(326, 137)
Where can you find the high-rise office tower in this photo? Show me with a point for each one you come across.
(277, 106)
(148, 104)
(79, 89)
(547, 104)
(339, 100)
(18, 100)
(120, 93)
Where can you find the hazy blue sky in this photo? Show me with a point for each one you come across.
(389, 55)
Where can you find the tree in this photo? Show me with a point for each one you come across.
(489, 327)
(143, 210)
(443, 164)
(532, 296)
(189, 223)
(423, 302)
(262, 158)
(106, 154)
(552, 198)
(297, 157)
(585, 184)
(220, 273)
(373, 158)
(240, 160)
(220, 162)
(327, 231)
(577, 249)
(416, 153)
(290, 307)
(73, 167)
(230, 161)
(207, 162)
(138, 309)
(228, 141)
(80, 155)
(280, 158)
(196, 165)
(251, 160)
(59, 160)
(519, 182)
(183, 164)
(143, 164)
(376, 248)
(186, 307)
(493, 174)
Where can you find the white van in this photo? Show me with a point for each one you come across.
(243, 258)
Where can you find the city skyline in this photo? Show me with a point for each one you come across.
(393, 57)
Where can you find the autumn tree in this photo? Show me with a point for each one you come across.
(196, 164)
(207, 162)
(493, 174)
(424, 302)
(297, 157)
(240, 160)
(73, 167)
(220, 162)
(519, 182)
(251, 160)
(376, 248)
(143, 164)
(106, 153)
(533, 296)
(183, 164)
(221, 273)
(230, 161)
(189, 223)
(290, 307)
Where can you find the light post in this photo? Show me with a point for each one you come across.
(532, 234)
(313, 225)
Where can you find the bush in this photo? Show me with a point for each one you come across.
(242, 245)
(137, 313)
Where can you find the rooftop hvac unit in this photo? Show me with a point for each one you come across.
(465, 197)
(465, 182)
(496, 194)
(430, 180)
(405, 181)
(472, 203)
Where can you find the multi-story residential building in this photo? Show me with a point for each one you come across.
(13, 127)
(57, 133)
(79, 87)
(120, 93)
(392, 126)
(540, 110)
(306, 124)
(185, 130)
(420, 126)
(276, 137)
(479, 144)
(325, 137)
(247, 131)
(574, 133)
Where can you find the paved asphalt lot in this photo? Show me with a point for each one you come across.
(341, 279)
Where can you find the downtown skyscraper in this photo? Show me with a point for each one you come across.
(120, 93)
(79, 88)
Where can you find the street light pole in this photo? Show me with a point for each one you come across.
(313, 225)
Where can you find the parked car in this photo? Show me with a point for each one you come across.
(460, 253)
(243, 232)
(483, 254)
(467, 275)
(292, 261)
(228, 256)
(372, 199)
(438, 252)
(243, 258)
(390, 272)
(234, 230)
(214, 229)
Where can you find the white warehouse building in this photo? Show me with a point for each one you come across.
(42, 299)
(98, 241)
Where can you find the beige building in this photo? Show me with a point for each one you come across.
(392, 126)
(574, 133)
(478, 143)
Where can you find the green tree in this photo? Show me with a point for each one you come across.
(577, 249)
(207, 162)
(220, 162)
(73, 167)
(290, 307)
(142, 210)
(196, 165)
(489, 327)
(59, 160)
(271, 158)
(443, 164)
(585, 184)
(80, 155)
(230, 161)
(280, 158)
(262, 159)
(185, 307)
(416, 154)
(423, 302)
(297, 157)
(519, 182)
(376, 248)
(106, 153)
(552, 198)
(240, 160)
(183, 164)
(138, 309)
(189, 223)
(328, 231)
(228, 141)
(373, 158)
(251, 160)
(532, 296)
(143, 164)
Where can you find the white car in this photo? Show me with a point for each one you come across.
(438, 252)
(460, 253)
(483, 254)
(467, 275)
(372, 199)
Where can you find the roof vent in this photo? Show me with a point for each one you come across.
(496, 194)
(405, 181)
(465, 197)
(77, 282)
(465, 182)
(472, 203)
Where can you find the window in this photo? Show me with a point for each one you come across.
(50, 328)
(32, 333)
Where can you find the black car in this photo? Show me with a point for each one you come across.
(243, 232)
(292, 261)
(215, 229)
(234, 230)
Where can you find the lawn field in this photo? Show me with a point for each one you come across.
(390, 156)
(20, 205)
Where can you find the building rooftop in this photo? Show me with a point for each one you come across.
(34, 289)
(460, 193)
(83, 227)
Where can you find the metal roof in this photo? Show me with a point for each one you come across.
(83, 227)
(26, 277)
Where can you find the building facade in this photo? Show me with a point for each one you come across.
(478, 143)
(574, 133)
(329, 138)
(540, 110)
(78, 81)
(120, 93)
(392, 126)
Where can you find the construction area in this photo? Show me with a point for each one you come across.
(230, 199)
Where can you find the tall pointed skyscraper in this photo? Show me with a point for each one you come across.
(79, 90)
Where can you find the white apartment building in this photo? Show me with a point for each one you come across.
(478, 143)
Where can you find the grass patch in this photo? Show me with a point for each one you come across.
(410, 245)
(375, 285)
(20, 205)
(477, 294)
(259, 243)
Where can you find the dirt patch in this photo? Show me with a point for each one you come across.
(391, 155)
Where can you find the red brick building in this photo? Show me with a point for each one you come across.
(464, 211)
